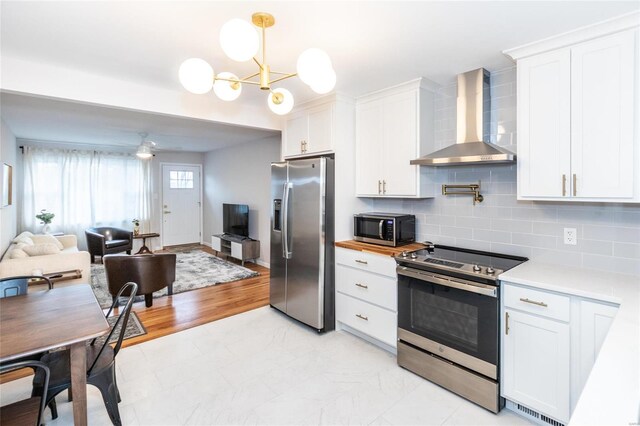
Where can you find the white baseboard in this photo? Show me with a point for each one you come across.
(204, 243)
(263, 263)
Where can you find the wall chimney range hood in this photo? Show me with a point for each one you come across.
(473, 128)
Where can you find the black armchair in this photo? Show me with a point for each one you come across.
(105, 240)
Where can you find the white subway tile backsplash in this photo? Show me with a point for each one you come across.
(608, 234)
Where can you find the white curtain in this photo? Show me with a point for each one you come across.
(85, 189)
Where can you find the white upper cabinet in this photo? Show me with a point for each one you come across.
(544, 152)
(393, 127)
(602, 90)
(577, 140)
(309, 132)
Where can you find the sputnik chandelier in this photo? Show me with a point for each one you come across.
(241, 42)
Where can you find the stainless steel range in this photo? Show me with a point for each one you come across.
(448, 319)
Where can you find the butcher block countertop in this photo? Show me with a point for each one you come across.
(377, 249)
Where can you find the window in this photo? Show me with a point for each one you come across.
(180, 179)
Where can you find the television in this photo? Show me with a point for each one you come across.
(235, 219)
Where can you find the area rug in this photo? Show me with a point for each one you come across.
(194, 269)
(134, 329)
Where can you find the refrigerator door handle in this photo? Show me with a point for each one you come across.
(286, 253)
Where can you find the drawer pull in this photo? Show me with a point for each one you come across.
(362, 317)
(506, 330)
(533, 302)
(364, 262)
(362, 285)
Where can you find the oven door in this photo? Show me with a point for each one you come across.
(452, 318)
(373, 230)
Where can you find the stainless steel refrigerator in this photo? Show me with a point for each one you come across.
(302, 237)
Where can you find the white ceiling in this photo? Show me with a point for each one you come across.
(372, 44)
(41, 119)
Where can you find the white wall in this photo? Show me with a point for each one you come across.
(156, 188)
(8, 215)
(241, 175)
(608, 234)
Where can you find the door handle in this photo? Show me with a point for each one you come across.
(166, 212)
(506, 317)
(575, 182)
(564, 185)
(384, 186)
(380, 225)
(362, 285)
(362, 317)
(286, 252)
(364, 262)
(379, 187)
(533, 302)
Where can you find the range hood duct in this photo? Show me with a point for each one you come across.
(473, 127)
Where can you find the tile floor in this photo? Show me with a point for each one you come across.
(260, 367)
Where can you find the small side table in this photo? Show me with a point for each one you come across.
(144, 249)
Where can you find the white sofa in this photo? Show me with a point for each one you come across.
(67, 258)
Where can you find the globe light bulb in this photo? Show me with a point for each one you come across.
(227, 90)
(239, 40)
(326, 84)
(280, 101)
(312, 64)
(196, 75)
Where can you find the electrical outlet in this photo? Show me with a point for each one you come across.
(570, 236)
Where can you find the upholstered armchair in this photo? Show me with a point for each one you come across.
(105, 240)
(152, 272)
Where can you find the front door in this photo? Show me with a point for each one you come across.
(180, 204)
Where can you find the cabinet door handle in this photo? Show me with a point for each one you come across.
(362, 285)
(362, 317)
(364, 262)
(384, 186)
(564, 185)
(575, 181)
(506, 320)
(533, 302)
(379, 187)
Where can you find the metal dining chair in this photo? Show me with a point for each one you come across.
(18, 286)
(100, 359)
(27, 411)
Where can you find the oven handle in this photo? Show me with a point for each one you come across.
(485, 290)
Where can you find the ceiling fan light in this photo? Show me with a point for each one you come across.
(144, 152)
(227, 90)
(280, 101)
(196, 75)
(239, 40)
(312, 64)
(326, 84)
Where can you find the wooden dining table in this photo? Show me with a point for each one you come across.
(45, 320)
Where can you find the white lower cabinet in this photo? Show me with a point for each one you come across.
(367, 295)
(550, 342)
(536, 363)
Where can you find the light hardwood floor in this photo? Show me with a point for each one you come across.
(192, 308)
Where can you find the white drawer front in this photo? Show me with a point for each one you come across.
(538, 302)
(372, 288)
(372, 320)
(377, 263)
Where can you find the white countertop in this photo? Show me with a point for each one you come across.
(612, 392)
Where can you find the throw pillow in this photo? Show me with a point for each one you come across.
(41, 249)
(46, 239)
(24, 237)
(17, 253)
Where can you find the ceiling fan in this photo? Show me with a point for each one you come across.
(145, 149)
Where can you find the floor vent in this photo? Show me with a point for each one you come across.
(533, 415)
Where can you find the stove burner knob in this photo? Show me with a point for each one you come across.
(404, 254)
(477, 268)
(490, 270)
(414, 256)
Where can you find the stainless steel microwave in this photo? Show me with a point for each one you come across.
(387, 229)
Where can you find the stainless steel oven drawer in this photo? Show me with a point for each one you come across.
(480, 390)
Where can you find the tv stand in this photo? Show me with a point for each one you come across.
(241, 248)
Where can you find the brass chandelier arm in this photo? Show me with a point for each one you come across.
(257, 62)
(233, 80)
(283, 78)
